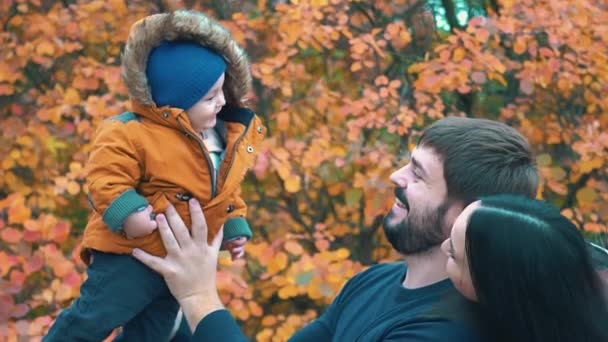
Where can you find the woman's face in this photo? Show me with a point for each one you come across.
(454, 247)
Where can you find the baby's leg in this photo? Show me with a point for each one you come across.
(117, 289)
(154, 323)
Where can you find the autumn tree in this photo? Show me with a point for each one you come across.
(345, 88)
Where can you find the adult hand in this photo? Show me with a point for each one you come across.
(190, 266)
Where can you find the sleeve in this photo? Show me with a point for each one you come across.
(316, 331)
(236, 225)
(435, 331)
(112, 172)
(218, 326)
(323, 328)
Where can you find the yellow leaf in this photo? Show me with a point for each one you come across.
(544, 159)
(292, 183)
(416, 68)
(45, 48)
(288, 292)
(278, 263)
(342, 253)
(75, 167)
(586, 195)
(557, 173)
(283, 170)
(73, 188)
(589, 165)
(71, 97)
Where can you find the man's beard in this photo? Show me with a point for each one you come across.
(419, 231)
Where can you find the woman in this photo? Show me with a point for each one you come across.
(528, 268)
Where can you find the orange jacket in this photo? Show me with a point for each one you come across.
(153, 155)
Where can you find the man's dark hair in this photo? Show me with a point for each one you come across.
(482, 157)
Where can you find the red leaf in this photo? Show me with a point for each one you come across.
(11, 235)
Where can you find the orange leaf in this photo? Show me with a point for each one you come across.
(459, 54)
(293, 247)
(18, 212)
(60, 232)
(595, 228)
(520, 45)
(61, 267)
(255, 309)
(269, 320)
(282, 120)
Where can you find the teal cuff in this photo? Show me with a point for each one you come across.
(236, 227)
(121, 208)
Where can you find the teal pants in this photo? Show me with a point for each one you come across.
(119, 292)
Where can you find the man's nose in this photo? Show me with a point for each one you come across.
(399, 177)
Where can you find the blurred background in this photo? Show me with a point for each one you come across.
(345, 88)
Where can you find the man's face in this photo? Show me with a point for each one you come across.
(417, 222)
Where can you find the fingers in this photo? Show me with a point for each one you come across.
(178, 227)
(154, 262)
(199, 223)
(217, 240)
(239, 241)
(166, 234)
(237, 253)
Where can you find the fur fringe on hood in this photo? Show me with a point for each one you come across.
(151, 31)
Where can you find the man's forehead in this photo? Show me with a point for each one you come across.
(428, 159)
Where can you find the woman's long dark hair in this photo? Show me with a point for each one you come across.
(532, 273)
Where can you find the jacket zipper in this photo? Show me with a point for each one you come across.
(207, 157)
(236, 145)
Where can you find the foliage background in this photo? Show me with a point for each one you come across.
(345, 88)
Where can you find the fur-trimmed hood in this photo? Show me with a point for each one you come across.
(151, 31)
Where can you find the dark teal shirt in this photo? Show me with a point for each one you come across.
(374, 306)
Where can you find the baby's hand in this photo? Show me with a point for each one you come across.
(139, 223)
(236, 247)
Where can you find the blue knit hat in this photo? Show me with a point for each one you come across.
(181, 72)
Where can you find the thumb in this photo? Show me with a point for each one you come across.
(154, 262)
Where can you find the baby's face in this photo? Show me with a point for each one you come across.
(203, 114)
